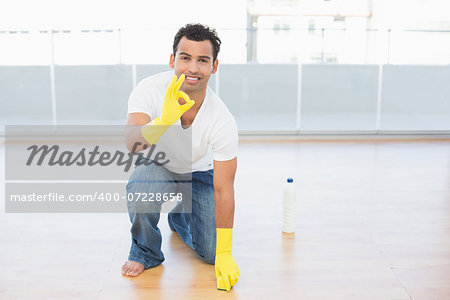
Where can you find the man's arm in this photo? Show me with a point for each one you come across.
(227, 270)
(224, 173)
(133, 131)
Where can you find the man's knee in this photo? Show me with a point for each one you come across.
(209, 258)
(207, 251)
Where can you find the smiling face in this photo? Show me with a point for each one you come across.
(194, 60)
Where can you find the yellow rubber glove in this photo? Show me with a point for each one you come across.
(227, 270)
(171, 111)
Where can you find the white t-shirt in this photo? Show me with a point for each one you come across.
(213, 133)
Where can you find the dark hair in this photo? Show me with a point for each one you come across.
(198, 33)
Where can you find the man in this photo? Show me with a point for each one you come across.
(157, 103)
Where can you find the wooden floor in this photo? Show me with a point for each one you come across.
(373, 222)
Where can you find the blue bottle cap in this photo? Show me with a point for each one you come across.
(290, 180)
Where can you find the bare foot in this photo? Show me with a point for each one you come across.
(132, 268)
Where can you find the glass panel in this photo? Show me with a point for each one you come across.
(415, 98)
(143, 71)
(25, 95)
(261, 97)
(339, 97)
(92, 94)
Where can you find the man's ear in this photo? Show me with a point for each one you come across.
(215, 66)
(171, 61)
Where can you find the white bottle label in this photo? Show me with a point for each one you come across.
(289, 196)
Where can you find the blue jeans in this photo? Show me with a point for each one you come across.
(196, 229)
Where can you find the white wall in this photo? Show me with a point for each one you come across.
(30, 14)
(410, 14)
